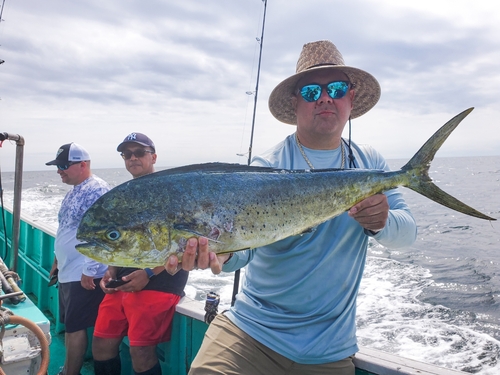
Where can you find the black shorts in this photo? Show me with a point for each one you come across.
(78, 306)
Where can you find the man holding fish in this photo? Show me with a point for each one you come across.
(296, 311)
(299, 219)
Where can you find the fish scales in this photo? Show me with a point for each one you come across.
(142, 222)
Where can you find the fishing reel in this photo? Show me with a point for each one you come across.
(211, 306)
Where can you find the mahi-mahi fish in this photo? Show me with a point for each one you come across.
(142, 222)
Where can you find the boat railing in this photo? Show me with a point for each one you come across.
(35, 256)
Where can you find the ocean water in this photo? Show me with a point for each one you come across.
(437, 301)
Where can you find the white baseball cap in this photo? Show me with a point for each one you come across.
(70, 152)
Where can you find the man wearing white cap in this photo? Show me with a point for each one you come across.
(79, 298)
(296, 311)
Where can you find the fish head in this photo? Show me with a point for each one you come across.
(120, 232)
(138, 246)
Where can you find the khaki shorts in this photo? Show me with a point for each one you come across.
(228, 350)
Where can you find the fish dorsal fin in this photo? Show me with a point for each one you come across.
(215, 167)
(218, 167)
(210, 168)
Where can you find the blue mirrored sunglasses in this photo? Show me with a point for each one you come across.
(336, 90)
(66, 166)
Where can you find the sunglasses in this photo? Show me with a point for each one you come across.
(66, 166)
(335, 89)
(139, 153)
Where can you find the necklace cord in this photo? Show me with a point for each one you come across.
(352, 164)
(301, 149)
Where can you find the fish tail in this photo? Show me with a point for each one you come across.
(418, 169)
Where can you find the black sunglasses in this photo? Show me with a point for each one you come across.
(66, 166)
(139, 153)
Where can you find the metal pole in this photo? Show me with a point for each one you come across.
(236, 283)
(18, 186)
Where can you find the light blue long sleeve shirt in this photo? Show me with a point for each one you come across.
(299, 294)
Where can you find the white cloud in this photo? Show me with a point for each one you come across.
(93, 71)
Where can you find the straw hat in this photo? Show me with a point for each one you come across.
(323, 55)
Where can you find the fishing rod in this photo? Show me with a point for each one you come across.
(236, 284)
(256, 93)
(1, 12)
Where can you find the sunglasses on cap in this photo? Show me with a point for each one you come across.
(336, 90)
(66, 166)
(139, 153)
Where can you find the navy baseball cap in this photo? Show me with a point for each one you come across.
(70, 152)
(139, 138)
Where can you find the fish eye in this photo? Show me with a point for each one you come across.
(113, 234)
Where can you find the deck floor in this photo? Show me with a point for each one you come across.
(58, 354)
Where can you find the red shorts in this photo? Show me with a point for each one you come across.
(145, 317)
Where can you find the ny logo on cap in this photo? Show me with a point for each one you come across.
(132, 137)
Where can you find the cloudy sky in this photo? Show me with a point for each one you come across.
(93, 71)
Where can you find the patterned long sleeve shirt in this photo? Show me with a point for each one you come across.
(70, 262)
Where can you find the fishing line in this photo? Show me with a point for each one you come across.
(236, 283)
(4, 227)
(1, 188)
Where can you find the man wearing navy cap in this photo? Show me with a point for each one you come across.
(78, 296)
(144, 307)
(139, 153)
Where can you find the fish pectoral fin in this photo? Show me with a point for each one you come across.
(189, 232)
(186, 228)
